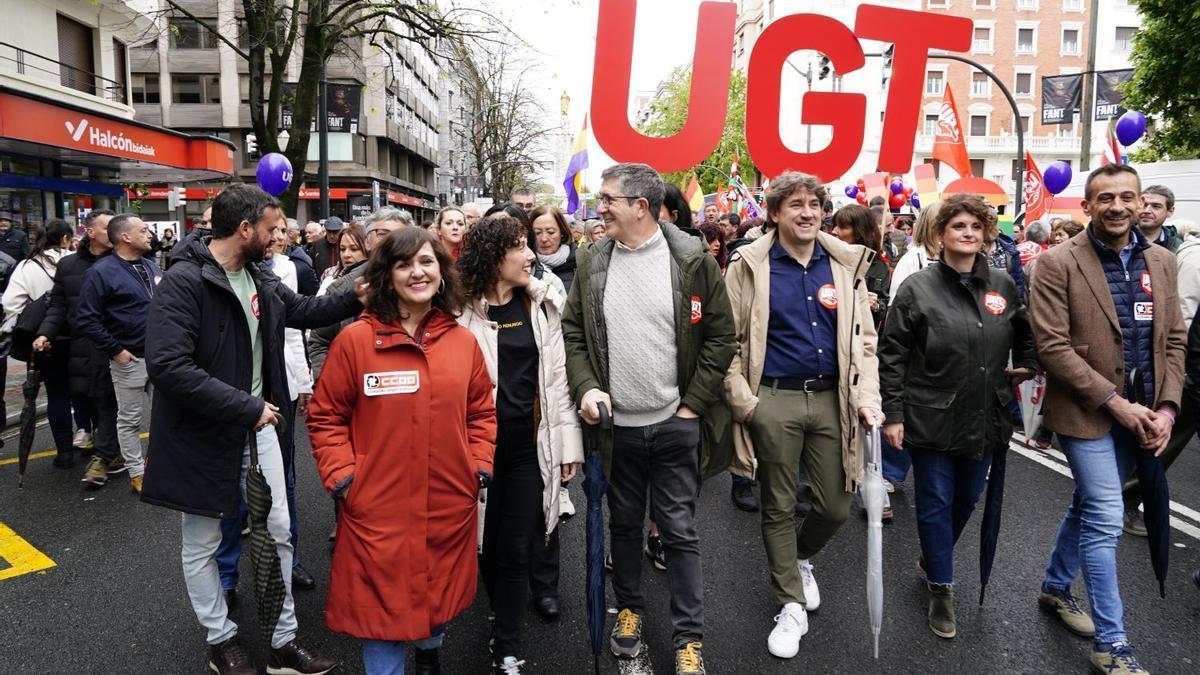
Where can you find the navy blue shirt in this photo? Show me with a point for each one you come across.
(802, 331)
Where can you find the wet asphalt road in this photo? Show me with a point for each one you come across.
(115, 601)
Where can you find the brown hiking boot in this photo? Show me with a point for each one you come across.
(96, 474)
(135, 482)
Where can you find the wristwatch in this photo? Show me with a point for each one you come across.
(484, 479)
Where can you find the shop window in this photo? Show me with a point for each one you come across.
(195, 88)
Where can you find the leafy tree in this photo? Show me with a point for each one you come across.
(1165, 79)
(321, 29)
(667, 113)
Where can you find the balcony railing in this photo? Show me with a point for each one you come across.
(1008, 143)
(13, 59)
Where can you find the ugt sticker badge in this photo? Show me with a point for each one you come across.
(394, 382)
(827, 296)
(697, 310)
(1146, 283)
(995, 303)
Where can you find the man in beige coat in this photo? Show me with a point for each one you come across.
(805, 372)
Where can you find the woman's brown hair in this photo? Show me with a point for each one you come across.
(564, 232)
(863, 222)
(401, 245)
(973, 205)
(356, 233)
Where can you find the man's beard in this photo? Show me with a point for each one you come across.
(254, 253)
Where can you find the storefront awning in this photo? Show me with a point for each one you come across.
(139, 153)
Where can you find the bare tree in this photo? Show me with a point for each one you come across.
(498, 122)
(321, 29)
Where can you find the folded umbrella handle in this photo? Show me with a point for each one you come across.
(605, 416)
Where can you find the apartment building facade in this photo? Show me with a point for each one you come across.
(383, 149)
(69, 139)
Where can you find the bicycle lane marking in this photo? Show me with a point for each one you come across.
(21, 556)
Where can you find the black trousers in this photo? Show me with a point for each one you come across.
(513, 524)
(104, 425)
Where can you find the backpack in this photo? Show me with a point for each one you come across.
(25, 331)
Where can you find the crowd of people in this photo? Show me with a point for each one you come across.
(446, 374)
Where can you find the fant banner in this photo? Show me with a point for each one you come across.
(1109, 95)
(1061, 95)
(343, 104)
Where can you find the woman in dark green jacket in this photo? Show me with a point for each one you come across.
(946, 382)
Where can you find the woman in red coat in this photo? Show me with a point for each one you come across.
(403, 429)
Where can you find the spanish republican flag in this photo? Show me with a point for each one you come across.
(573, 184)
(949, 143)
(694, 195)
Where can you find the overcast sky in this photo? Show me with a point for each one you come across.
(564, 34)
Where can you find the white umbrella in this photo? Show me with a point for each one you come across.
(1031, 393)
(873, 496)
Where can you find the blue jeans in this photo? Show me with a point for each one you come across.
(946, 489)
(1088, 536)
(383, 657)
(896, 462)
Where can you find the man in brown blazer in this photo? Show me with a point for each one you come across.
(1105, 304)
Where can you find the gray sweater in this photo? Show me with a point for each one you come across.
(640, 316)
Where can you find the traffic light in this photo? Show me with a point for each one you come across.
(887, 63)
(176, 198)
(825, 68)
(251, 145)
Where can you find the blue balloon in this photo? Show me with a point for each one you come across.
(1057, 177)
(1130, 127)
(274, 173)
(915, 201)
(897, 187)
(852, 191)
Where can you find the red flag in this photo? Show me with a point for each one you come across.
(722, 199)
(1036, 196)
(949, 144)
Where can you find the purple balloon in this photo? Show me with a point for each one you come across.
(852, 191)
(897, 187)
(274, 173)
(1130, 127)
(1057, 177)
(915, 201)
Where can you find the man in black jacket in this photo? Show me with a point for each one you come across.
(87, 365)
(216, 358)
(13, 241)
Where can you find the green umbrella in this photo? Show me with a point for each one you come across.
(269, 590)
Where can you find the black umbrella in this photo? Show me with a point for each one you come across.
(989, 528)
(594, 486)
(269, 591)
(1156, 496)
(28, 422)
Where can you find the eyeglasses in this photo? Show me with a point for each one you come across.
(607, 200)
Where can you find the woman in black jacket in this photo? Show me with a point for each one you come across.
(551, 239)
(854, 224)
(946, 384)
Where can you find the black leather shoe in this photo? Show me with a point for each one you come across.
(427, 662)
(227, 658)
(65, 460)
(743, 497)
(548, 608)
(294, 659)
(302, 580)
(231, 600)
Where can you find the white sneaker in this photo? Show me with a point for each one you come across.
(790, 625)
(812, 595)
(565, 508)
(82, 439)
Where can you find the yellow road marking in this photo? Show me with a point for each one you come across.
(22, 557)
(50, 453)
